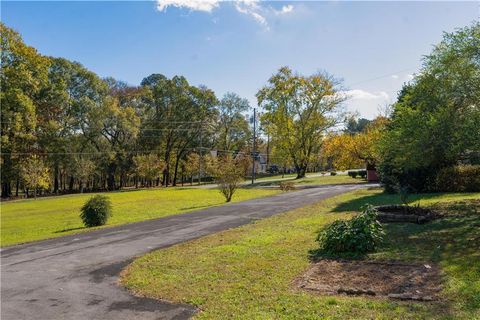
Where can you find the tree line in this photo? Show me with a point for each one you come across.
(65, 129)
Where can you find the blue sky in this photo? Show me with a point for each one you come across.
(236, 46)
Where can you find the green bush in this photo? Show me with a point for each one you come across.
(96, 211)
(355, 237)
(353, 174)
(333, 173)
(462, 178)
(362, 173)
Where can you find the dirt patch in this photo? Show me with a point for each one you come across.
(395, 280)
(399, 213)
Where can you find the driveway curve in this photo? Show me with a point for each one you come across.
(75, 277)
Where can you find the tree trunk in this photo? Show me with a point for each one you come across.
(301, 171)
(55, 179)
(6, 192)
(70, 185)
(112, 167)
(174, 182)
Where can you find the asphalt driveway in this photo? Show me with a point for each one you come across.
(75, 277)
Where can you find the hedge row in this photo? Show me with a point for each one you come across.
(462, 178)
(361, 173)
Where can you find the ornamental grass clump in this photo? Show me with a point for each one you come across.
(96, 211)
(360, 235)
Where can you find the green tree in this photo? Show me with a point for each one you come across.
(233, 129)
(149, 167)
(35, 174)
(435, 122)
(23, 74)
(300, 110)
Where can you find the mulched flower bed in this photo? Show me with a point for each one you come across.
(394, 280)
(399, 213)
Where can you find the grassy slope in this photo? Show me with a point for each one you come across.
(28, 220)
(247, 272)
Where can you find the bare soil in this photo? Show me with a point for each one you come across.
(395, 280)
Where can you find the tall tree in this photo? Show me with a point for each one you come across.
(178, 118)
(300, 110)
(233, 129)
(23, 73)
(435, 122)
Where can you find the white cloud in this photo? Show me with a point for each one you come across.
(285, 9)
(251, 8)
(366, 103)
(395, 76)
(358, 94)
(196, 5)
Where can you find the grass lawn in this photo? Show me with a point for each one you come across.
(312, 180)
(247, 272)
(28, 220)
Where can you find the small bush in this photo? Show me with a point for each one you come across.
(287, 186)
(333, 173)
(362, 173)
(355, 237)
(463, 178)
(96, 211)
(353, 174)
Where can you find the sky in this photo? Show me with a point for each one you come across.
(235, 46)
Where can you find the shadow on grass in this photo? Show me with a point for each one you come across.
(382, 199)
(69, 229)
(315, 255)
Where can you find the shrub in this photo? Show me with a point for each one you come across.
(333, 173)
(353, 174)
(462, 178)
(228, 174)
(96, 211)
(357, 236)
(287, 186)
(362, 173)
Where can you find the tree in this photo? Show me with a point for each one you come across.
(233, 130)
(354, 125)
(83, 169)
(300, 110)
(149, 167)
(349, 151)
(35, 174)
(179, 117)
(228, 172)
(23, 74)
(435, 119)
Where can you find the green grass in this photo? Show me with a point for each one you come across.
(28, 220)
(247, 272)
(312, 180)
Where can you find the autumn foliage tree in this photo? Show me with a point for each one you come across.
(357, 150)
(35, 174)
(228, 172)
(299, 111)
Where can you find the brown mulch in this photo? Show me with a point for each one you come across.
(395, 280)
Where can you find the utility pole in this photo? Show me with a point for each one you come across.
(253, 148)
(200, 158)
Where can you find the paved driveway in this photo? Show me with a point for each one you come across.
(75, 277)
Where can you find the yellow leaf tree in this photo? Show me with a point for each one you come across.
(353, 151)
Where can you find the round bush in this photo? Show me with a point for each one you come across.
(96, 211)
